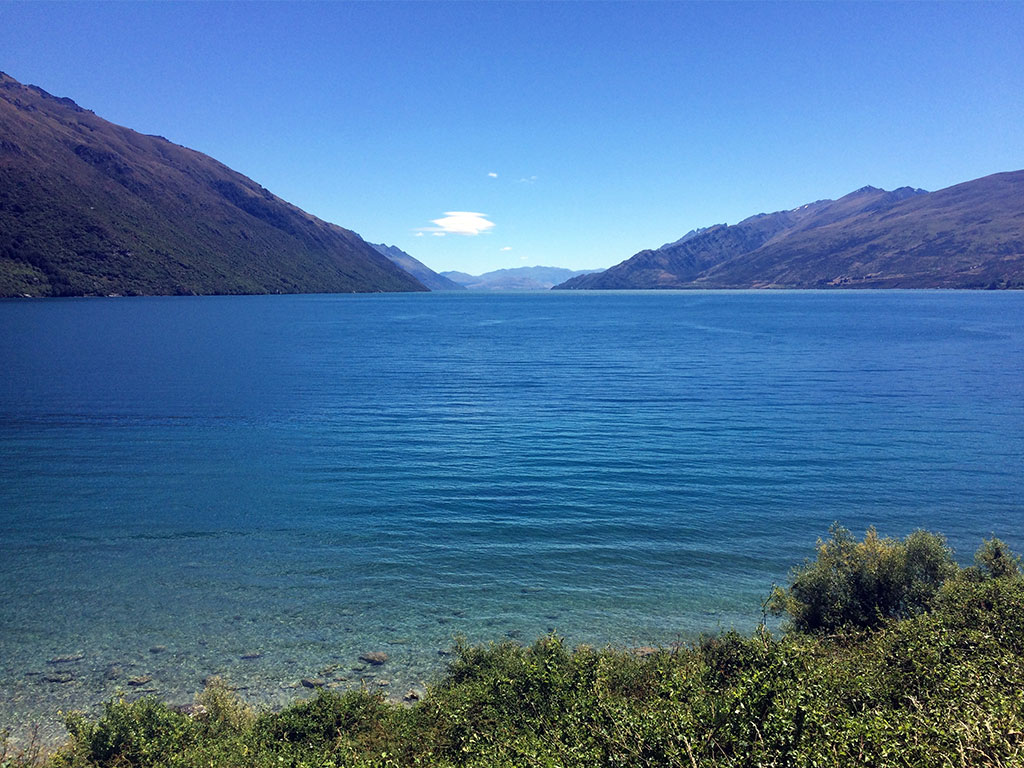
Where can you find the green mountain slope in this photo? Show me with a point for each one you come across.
(91, 208)
(967, 236)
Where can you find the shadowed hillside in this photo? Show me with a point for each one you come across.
(91, 208)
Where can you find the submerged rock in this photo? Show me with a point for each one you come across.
(374, 657)
(313, 682)
(66, 659)
(192, 710)
(139, 680)
(58, 677)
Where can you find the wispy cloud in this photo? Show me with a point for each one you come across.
(507, 248)
(493, 175)
(460, 223)
(527, 179)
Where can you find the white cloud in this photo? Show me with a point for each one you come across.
(438, 234)
(527, 179)
(460, 223)
(493, 175)
(419, 234)
(507, 248)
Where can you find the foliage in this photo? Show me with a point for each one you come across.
(861, 584)
(941, 686)
(996, 561)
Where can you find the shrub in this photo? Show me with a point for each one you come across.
(325, 722)
(861, 584)
(996, 561)
(141, 733)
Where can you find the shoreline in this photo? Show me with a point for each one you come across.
(74, 681)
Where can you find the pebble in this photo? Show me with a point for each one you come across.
(383, 683)
(252, 655)
(374, 657)
(158, 649)
(139, 680)
(412, 695)
(313, 682)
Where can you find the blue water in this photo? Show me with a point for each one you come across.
(313, 477)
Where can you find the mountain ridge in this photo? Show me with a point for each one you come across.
(88, 207)
(970, 235)
(431, 279)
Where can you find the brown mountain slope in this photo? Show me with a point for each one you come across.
(92, 208)
(967, 236)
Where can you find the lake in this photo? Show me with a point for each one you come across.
(267, 487)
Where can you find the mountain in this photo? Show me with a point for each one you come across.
(417, 269)
(518, 279)
(91, 208)
(967, 236)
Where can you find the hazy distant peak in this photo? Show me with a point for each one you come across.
(416, 268)
(516, 278)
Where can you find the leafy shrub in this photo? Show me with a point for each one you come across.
(861, 584)
(225, 712)
(324, 722)
(139, 734)
(996, 561)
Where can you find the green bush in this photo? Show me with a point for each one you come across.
(996, 561)
(142, 733)
(860, 584)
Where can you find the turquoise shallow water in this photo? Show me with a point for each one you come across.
(311, 477)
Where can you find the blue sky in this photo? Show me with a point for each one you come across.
(582, 132)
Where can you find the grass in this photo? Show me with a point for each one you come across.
(941, 686)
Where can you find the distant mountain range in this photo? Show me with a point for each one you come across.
(967, 236)
(91, 208)
(418, 269)
(517, 279)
